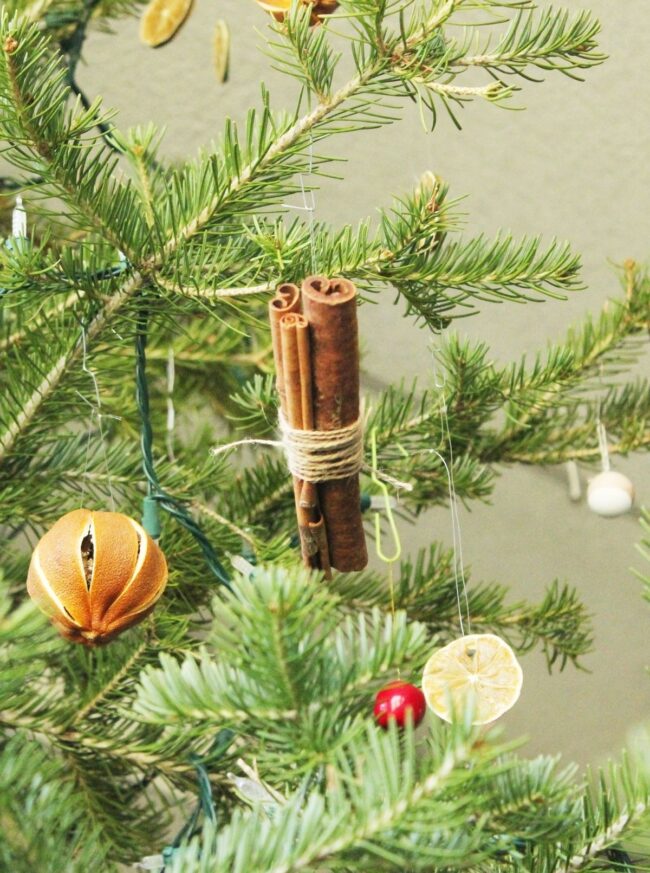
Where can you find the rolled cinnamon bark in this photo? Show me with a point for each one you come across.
(297, 408)
(330, 307)
(309, 495)
(287, 299)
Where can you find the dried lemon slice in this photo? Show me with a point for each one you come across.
(481, 665)
(161, 19)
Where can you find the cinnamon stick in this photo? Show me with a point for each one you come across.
(330, 307)
(309, 494)
(286, 300)
(293, 381)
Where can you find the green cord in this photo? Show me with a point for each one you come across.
(205, 803)
(157, 496)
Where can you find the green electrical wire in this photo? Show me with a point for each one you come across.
(157, 496)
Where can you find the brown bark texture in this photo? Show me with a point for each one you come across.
(317, 375)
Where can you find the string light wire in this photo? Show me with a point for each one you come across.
(157, 496)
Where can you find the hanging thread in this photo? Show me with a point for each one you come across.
(96, 410)
(389, 560)
(308, 207)
(457, 541)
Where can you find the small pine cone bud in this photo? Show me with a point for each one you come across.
(321, 8)
(95, 574)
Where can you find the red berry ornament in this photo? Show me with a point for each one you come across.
(395, 701)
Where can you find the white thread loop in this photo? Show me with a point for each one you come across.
(602, 446)
(321, 456)
(19, 220)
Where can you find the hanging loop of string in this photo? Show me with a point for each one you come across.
(156, 495)
(96, 410)
(457, 541)
(600, 427)
(388, 509)
(389, 560)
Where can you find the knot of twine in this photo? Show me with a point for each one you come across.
(323, 455)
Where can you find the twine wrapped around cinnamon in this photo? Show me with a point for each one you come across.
(317, 367)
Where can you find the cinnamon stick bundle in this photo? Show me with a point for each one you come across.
(330, 307)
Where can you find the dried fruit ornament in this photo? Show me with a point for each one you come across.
(279, 8)
(482, 666)
(161, 20)
(95, 574)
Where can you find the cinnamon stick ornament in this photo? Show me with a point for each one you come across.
(316, 355)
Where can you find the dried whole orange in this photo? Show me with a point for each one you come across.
(278, 8)
(95, 574)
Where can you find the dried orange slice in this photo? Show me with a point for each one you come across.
(482, 666)
(221, 50)
(161, 19)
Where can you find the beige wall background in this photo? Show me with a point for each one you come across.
(573, 165)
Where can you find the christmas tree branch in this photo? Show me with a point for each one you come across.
(212, 293)
(611, 835)
(549, 41)
(379, 792)
(590, 454)
(46, 142)
(52, 378)
(426, 589)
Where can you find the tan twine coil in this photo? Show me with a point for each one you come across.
(320, 456)
(323, 455)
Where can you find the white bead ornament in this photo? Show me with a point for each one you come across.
(610, 494)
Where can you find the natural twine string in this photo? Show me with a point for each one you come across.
(323, 455)
(320, 456)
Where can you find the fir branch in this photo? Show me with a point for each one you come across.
(47, 142)
(550, 40)
(52, 379)
(212, 293)
(582, 859)
(426, 589)
(380, 794)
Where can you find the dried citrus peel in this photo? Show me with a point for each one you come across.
(161, 19)
(482, 667)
